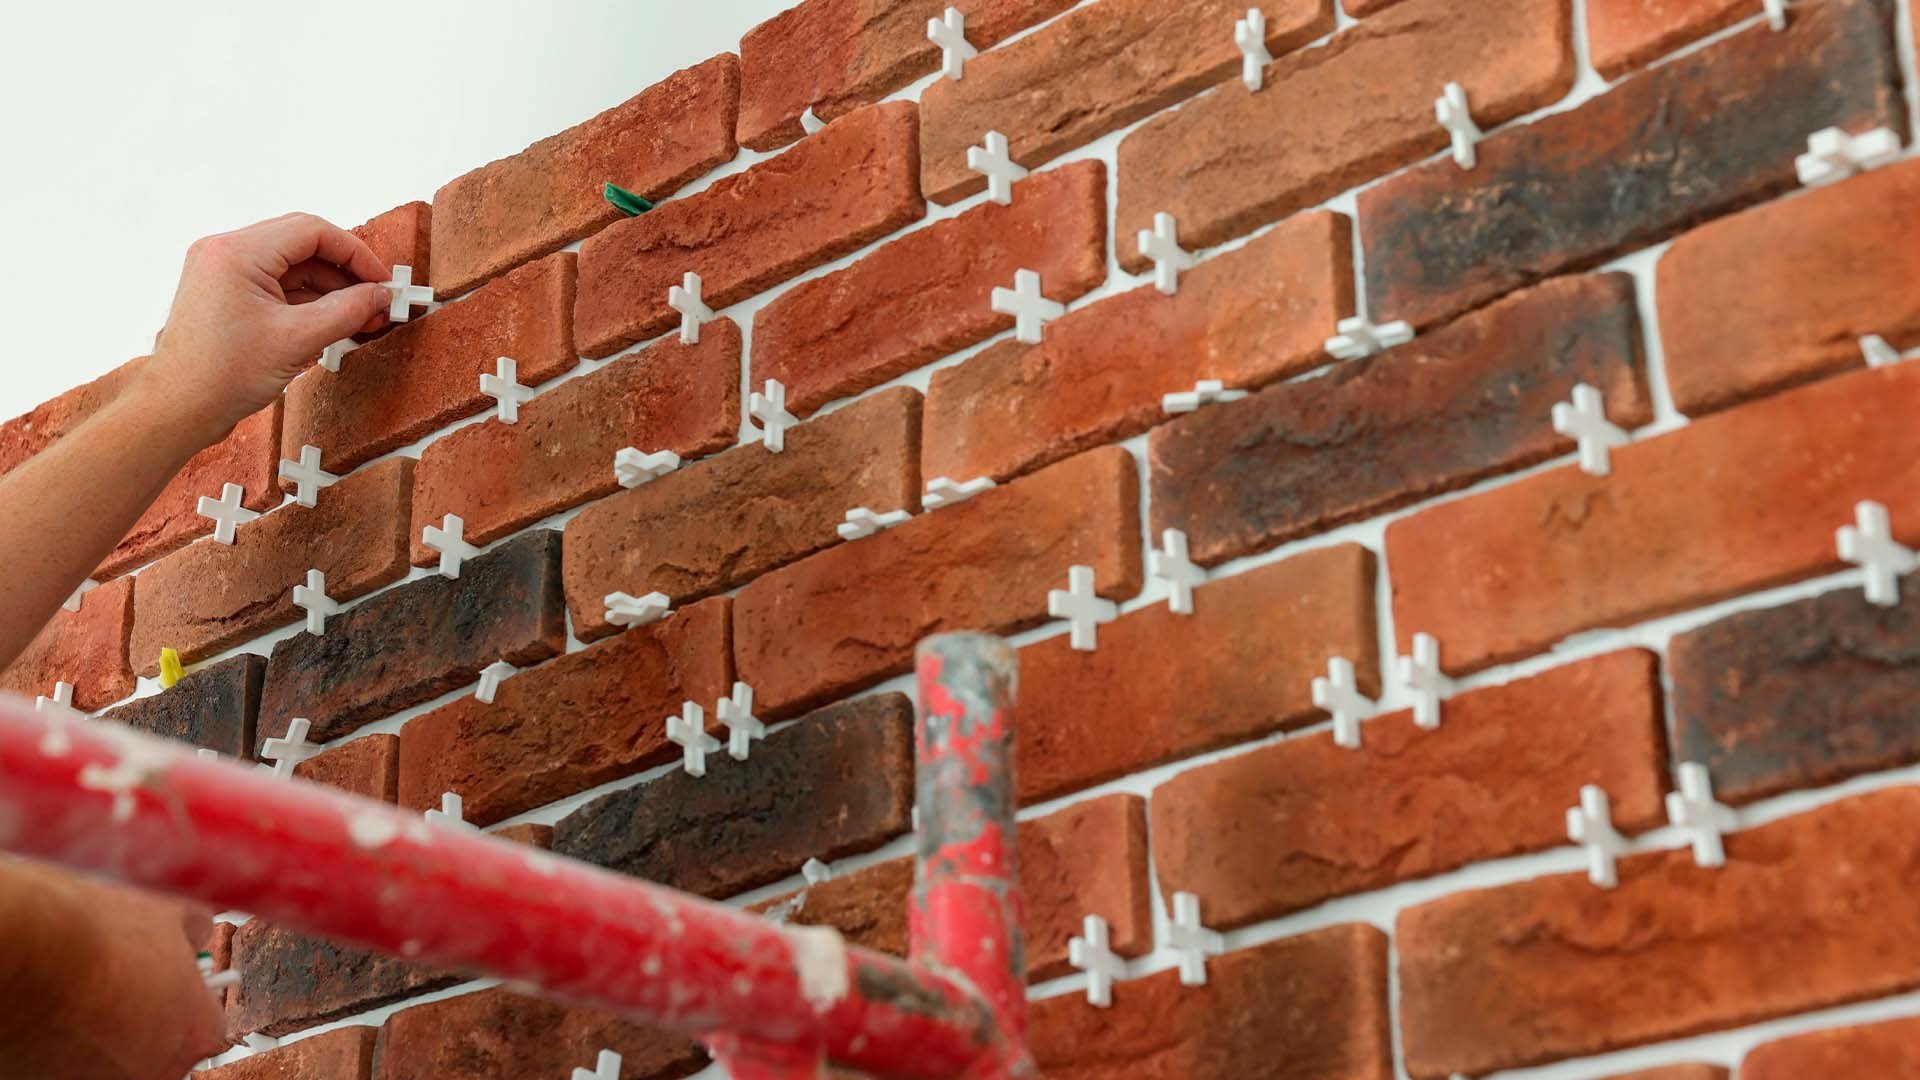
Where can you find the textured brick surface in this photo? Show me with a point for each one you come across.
(851, 615)
(503, 477)
(1469, 400)
(930, 292)
(344, 1054)
(1738, 501)
(214, 707)
(248, 456)
(1164, 686)
(1245, 317)
(290, 981)
(496, 1034)
(403, 237)
(561, 728)
(368, 767)
(1890, 1048)
(1093, 71)
(1769, 298)
(1800, 695)
(45, 424)
(528, 833)
(1571, 189)
(846, 187)
(722, 522)
(1810, 911)
(1234, 161)
(1321, 996)
(426, 373)
(1674, 1072)
(87, 648)
(837, 783)
(868, 906)
(1624, 34)
(545, 197)
(505, 605)
(1286, 826)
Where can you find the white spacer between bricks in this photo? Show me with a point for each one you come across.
(226, 513)
(449, 538)
(1204, 392)
(1450, 108)
(607, 1067)
(1187, 936)
(309, 479)
(1694, 810)
(1833, 154)
(260, 1044)
(217, 980)
(949, 31)
(314, 599)
(862, 522)
(994, 160)
(503, 386)
(1869, 544)
(1358, 338)
(61, 701)
(1585, 420)
(1250, 34)
(811, 123)
(689, 731)
(1421, 674)
(736, 712)
(943, 491)
(79, 595)
(491, 677)
(331, 356)
(290, 749)
(1162, 244)
(1030, 308)
(405, 294)
(1776, 13)
(1338, 694)
(1172, 565)
(452, 813)
(1092, 953)
(816, 872)
(630, 611)
(1082, 607)
(633, 468)
(686, 299)
(769, 410)
(1591, 826)
(1877, 353)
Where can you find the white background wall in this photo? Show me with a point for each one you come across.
(132, 129)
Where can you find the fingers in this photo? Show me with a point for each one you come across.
(315, 276)
(314, 325)
(288, 241)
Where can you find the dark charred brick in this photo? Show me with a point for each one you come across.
(290, 980)
(497, 1034)
(214, 707)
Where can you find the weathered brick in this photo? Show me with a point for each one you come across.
(1809, 911)
(1245, 317)
(47, 423)
(867, 906)
(851, 615)
(1308, 1006)
(290, 980)
(837, 783)
(494, 1034)
(723, 522)
(214, 707)
(368, 767)
(1801, 695)
(1233, 161)
(1164, 686)
(528, 833)
(342, 1054)
(1093, 71)
(425, 374)
(87, 648)
(402, 237)
(1767, 299)
(561, 728)
(248, 456)
(835, 193)
(1625, 34)
(1572, 189)
(547, 196)
(219, 950)
(1286, 826)
(1890, 1048)
(930, 292)
(210, 596)
(1674, 1072)
(1472, 399)
(1508, 572)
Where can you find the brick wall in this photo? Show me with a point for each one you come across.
(1408, 907)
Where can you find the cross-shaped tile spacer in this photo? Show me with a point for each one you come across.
(1776, 13)
(1591, 826)
(942, 491)
(816, 872)
(1092, 953)
(606, 1068)
(769, 410)
(689, 730)
(1031, 310)
(630, 611)
(1450, 108)
(1250, 34)
(1162, 244)
(950, 33)
(1338, 693)
(449, 538)
(1833, 154)
(686, 299)
(1585, 420)
(1357, 338)
(1171, 565)
(1694, 810)
(331, 356)
(633, 468)
(307, 475)
(1193, 941)
(491, 677)
(452, 813)
(1204, 392)
(1877, 353)
(61, 701)
(1080, 605)
(1870, 545)
(862, 522)
(406, 295)
(313, 597)
(994, 160)
(290, 749)
(1421, 674)
(226, 512)
(809, 123)
(503, 386)
(79, 595)
(736, 712)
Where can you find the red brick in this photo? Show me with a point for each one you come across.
(342, 1054)
(1246, 317)
(579, 721)
(219, 950)
(1674, 1072)
(1470, 400)
(1890, 1048)
(1739, 501)
(1164, 686)
(1091, 72)
(500, 478)
(1359, 8)
(210, 596)
(1546, 197)
(720, 523)
(87, 648)
(837, 55)
(1308, 1006)
(851, 615)
(401, 237)
(1331, 118)
(368, 767)
(930, 292)
(1287, 826)
(1625, 34)
(868, 906)
(290, 981)
(422, 376)
(528, 833)
(47, 423)
(835, 193)
(215, 707)
(545, 197)
(1809, 911)
(495, 1034)
(1773, 297)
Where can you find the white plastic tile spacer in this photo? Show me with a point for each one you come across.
(862, 522)
(1338, 694)
(449, 538)
(943, 491)
(1162, 244)
(1357, 338)
(226, 512)
(503, 386)
(606, 1068)
(769, 410)
(319, 606)
(1585, 420)
(994, 160)
(1877, 353)
(331, 356)
(491, 677)
(307, 475)
(630, 611)
(1092, 953)
(810, 122)
(406, 295)
(259, 1043)
(1694, 810)
(689, 731)
(1450, 108)
(816, 872)
(1031, 310)
(1833, 154)
(633, 468)
(1204, 392)
(1421, 674)
(1187, 936)
(949, 31)
(79, 595)
(1250, 34)
(207, 753)
(1172, 565)
(452, 813)
(1591, 826)
(61, 701)
(1776, 13)
(686, 299)
(217, 980)
(1869, 544)
(1083, 607)
(291, 749)
(736, 712)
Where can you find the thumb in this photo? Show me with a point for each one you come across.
(341, 313)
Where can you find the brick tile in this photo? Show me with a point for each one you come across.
(851, 615)
(930, 292)
(402, 237)
(1810, 911)
(1287, 826)
(214, 707)
(368, 767)
(1245, 317)
(1164, 686)
(426, 374)
(566, 726)
(536, 202)
(837, 55)
(1801, 695)
(1625, 34)
(1768, 298)
(835, 193)
(248, 456)
(47, 423)
(87, 648)
(1322, 996)
(495, 1033)
(1889, 1048)
(1093, 71)
(1546, 196)
(1739, 501)
(500, 478)
(290, 981)
(528, 833)
(1470, 400)
(210, 596)
(1360, 8)
(867, 906)
(1674, 1072)
(343, 1054)
(722, 522)
(1234, 161)
(837, 783)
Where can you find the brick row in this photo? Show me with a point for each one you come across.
(88, 648)
(1888, 1048)
(344, 1054)
(290, 980)
(215, 707)
(494, 1034)
(1626, 34)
